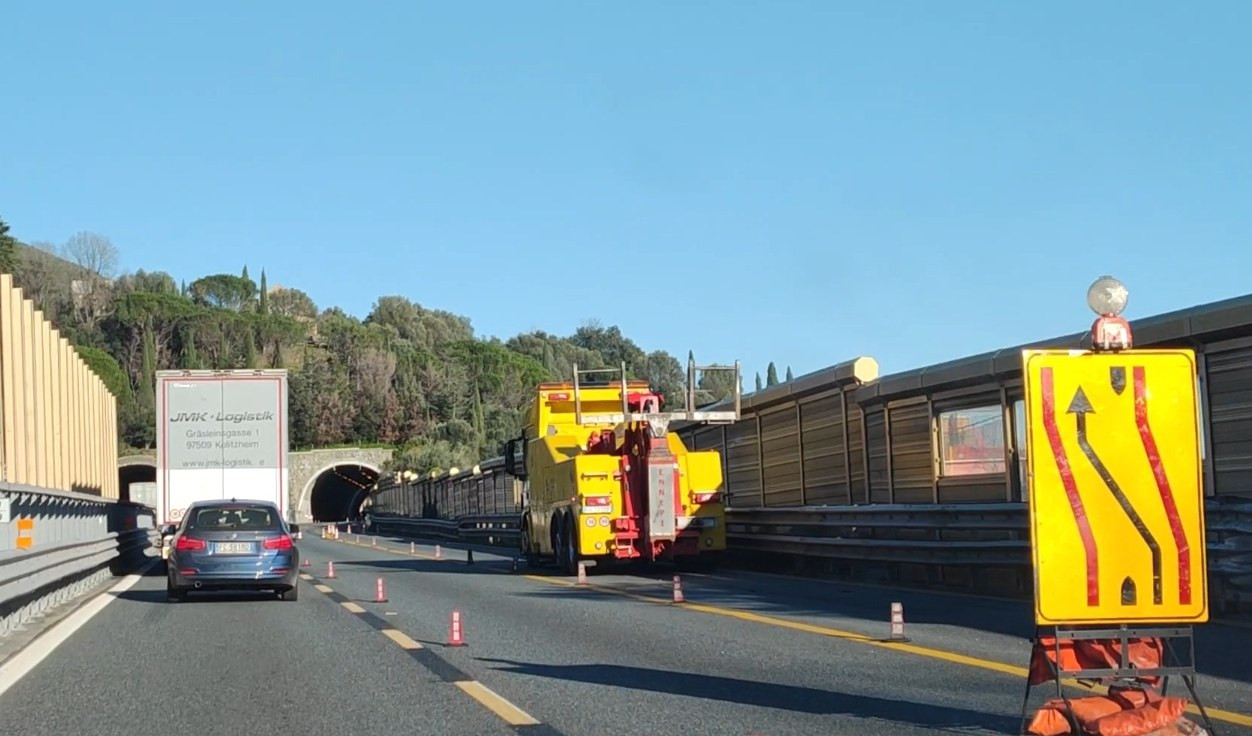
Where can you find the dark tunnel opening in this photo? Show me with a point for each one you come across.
(339, 491)
(134, 473)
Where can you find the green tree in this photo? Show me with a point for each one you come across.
(771, 375)
(263, 306)
(790, 378)
(8, 249)
(407, 375)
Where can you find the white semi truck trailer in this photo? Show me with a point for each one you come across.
(220, 435)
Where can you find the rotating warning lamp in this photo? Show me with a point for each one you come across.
(1107, 297)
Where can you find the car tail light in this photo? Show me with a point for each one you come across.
(705, 497)
(283, 542)
(188, 544)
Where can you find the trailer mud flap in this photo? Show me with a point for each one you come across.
(662, 490)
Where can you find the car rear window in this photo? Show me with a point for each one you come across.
(234, 517)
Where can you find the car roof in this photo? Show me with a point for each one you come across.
(231, 502)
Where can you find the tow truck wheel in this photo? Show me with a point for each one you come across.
(570, 539)
(532, 559)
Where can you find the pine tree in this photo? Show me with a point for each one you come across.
(771, 375)
(249, 350)
(8, 249)
(191, 360)
(264, 306)
(147, 378)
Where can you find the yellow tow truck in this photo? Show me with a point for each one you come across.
(607, 481)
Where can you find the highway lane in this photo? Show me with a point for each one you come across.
(937, 682)
(234, 664)
(539, 652)
(587, 662)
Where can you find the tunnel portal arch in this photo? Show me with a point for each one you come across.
(336, 491)
(134, 469)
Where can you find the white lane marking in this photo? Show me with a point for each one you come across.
(20, 664)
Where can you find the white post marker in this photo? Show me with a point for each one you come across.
(897, 622)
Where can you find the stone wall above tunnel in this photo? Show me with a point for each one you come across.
(305, 467)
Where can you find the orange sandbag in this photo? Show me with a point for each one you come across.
(1052, 719)
(1049, 720)
(1133, 697)
(1085, 654)
(1140, 721)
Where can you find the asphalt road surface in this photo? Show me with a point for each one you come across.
(745, 654)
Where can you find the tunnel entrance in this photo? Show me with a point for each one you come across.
(337, 492)
(134, 472)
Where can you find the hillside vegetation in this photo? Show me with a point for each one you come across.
(405, 376)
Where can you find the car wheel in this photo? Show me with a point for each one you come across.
(174, 594)
(291, 595)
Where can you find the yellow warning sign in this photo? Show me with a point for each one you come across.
(1115, 493)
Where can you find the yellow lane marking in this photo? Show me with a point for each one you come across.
(404, 553)
(510, 713)
(352, 607)
(323, 588)
(305, 576)
(401, 638)
(921, 651)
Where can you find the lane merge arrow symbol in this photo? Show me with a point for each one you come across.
(1080, 407)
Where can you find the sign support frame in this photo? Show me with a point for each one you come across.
(1124, 674)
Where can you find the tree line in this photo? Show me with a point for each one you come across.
(406, 376)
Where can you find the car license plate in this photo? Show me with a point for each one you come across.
(232, 548)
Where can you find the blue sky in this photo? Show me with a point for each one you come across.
(788, 181)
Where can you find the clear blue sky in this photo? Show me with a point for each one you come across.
(788, 181)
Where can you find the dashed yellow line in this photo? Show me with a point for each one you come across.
(485, 696)
(508, 712)
(401, 638)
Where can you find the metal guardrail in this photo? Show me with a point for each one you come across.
(942, 538)
(55, 544)
(493, 530)
(931, 534)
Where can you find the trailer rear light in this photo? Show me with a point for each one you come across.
(708, 497)
(597, 504)
(558, 396)
(187, 544)
(283, 542)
